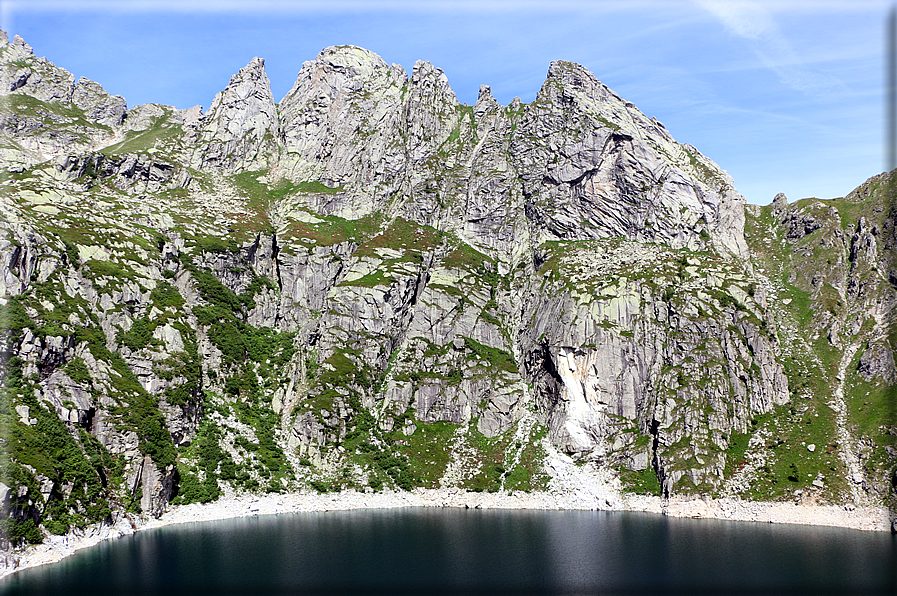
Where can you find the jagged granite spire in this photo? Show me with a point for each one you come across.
(342, 124)
(594, 166)
(241, 128)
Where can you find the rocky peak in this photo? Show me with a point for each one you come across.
(569, 84)
(97, 104)
(191, 116)
(342, 121)
(21, 72)
(594, 166)
(17, 50)
(424, 74)
(485, 102)
(431, 110)
(66, 118)
(242, 125)
(337, 73)
(353, 62)
(779, 205)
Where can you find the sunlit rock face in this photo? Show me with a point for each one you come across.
(241, 129)
(369, 284)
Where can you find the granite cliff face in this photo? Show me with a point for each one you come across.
(370, 284)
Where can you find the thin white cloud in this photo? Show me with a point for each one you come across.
(746, 19)
(755, 22)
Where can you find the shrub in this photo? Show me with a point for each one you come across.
(76, 369)
(24, 531)
(138, 336)
(14, 318)
(165, 295)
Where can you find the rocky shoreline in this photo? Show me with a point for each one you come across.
(589, 493)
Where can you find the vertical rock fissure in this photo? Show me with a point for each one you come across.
(654, 433)
(275, 259)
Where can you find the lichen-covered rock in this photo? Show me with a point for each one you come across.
(627, 348)
(98, 106)
(25, 74)
(46, 113)
(877, 363)
(342, 123)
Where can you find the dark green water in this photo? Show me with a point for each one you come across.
(427, 551)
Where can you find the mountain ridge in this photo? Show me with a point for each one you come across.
(372, 285)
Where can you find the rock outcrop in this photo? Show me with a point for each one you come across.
(242, 126)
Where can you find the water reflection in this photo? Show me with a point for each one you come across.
(426, 551)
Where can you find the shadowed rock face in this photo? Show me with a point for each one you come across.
(372, 284)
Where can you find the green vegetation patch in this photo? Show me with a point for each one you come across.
(317, 187)
(165, 295)
(94, 269)
(790, 465)
(64, 454)
(466, 257)
(334, 230)
(371, 280)
(491, 460)
(499, 359)
(643, 482)
(405, 235)
(184, 365)
(14, 318)
(735, 454)
(214, 243)
(160, 133)
(873, 408)
(199, 482)
(529, 472)
(52, 114)
(239, 341)
(138, 410)
(429, 450)
(262, 195)
(138, 336)
(341, 373)
(254, 409)
(375, 451)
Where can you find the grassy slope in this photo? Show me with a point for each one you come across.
(806, 273)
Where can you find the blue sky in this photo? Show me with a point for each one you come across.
(787, 96)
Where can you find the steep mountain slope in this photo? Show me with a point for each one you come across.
(369, 284)
(831, 265)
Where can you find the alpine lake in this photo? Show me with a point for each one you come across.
(458, 551)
